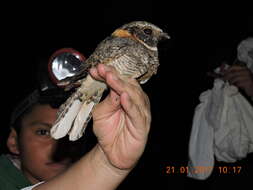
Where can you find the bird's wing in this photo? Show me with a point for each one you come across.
(125, 54)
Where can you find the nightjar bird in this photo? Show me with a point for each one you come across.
(132, 50)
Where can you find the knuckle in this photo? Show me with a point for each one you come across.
(109, 75)
(113, 70)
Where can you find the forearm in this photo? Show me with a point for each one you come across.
(92, 172)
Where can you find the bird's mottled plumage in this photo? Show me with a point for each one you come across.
(132, 50)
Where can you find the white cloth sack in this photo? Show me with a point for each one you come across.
(222, 124)
(222, 127)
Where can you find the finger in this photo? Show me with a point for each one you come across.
(139, 115)
(131, 110)
(242, 77)
(234, 74)
(236, 68)
(103, 70)
(99, 72)
(237, 80)
(241, 83)
(120, 84)
(107, 107)
(127, 104)
(94, 73)
(115, 83)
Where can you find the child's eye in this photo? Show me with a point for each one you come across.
(43, 132)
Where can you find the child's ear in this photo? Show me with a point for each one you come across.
(12, 142)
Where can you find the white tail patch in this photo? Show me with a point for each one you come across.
(81, 121)
(63, 126)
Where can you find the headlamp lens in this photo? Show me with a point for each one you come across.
(65, 63)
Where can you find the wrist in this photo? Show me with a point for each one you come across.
(99, 160)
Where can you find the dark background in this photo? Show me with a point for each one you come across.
(202, 35)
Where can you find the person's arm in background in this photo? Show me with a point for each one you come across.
(121, 123)
(240, 76)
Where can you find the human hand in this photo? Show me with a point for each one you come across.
(122, 121)
(239, 76)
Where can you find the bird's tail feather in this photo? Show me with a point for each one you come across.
(75, 114)
(83, 117)
(64, 122)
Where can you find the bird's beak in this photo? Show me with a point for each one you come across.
(164, 36)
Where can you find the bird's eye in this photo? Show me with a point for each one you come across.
(148, 31)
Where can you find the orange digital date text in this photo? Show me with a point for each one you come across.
(203, 169)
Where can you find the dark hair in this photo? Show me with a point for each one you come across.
(54, 98)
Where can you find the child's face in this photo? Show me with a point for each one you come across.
(36, 145)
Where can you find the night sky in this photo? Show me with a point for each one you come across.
(202, 36)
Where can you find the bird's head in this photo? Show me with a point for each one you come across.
(146, 33)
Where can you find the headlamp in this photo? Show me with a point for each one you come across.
(53, 76)
(65, 64)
